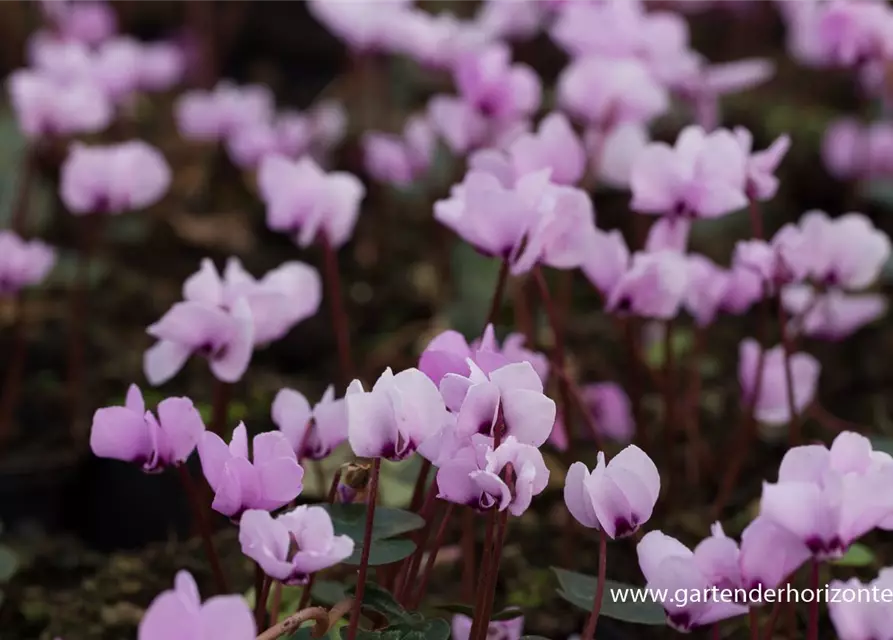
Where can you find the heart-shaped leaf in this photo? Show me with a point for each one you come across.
(383, 552)
(350, 520)
(380, 600)
(882, 443)
(858, 555)
(620, 601)
(328, 592)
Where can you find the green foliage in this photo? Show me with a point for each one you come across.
(858, 555)
(9, 565)
(579, 590)
(509, 613)
(401, 624)
(474, 278)
(350, 520)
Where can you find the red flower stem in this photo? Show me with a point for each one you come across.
(419, 491)
(756, 220)
(334, 293)
(15, 370)
(564, 394)
(20, 209)
(220, 406)
(794, 424)
(591, 624)
(523, 312)
(634, 370)
(714, 631)
(669, 394)
(410, 563)
(498, 293)
(198, 512)
(483, 576)
(493, 574)
(769, 631)
(812, 630)
(262, 592)
(203, 24)
(90, 236)
(693, 410)
(305, 594)
(364, 556)
(432, 557)
(276, 605)
(754, 623)
(468, 553)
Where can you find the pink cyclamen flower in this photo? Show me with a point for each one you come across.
(833, 314)
(555, 146)
(851, 150)
(449, 352)
(708, 287)
(852, 34)
(654, 286)
(508, 399)
(608, 260)
(180, 611)
(278, 301)
(612, 154)
(860, 614)
(605, 92)
(668, 565)
(458, 123)
(498, 89)
(313, 433)
(761, 182)
(222, 112)
(474, 475)
(87, 22)
(363, 26)
(397, 415)
(617, 497)
(703, 176)
(771, 406)
(47, 106)
(133, 434)
(705, 84)
(611, 408)
(271, 479)
(288, 134)
(224, 337)
(305, 201)
(294, 545)
(828, 498)
(401, 159)
(162, 67)
(113, 179)
(769, 554)
(498, 629)
(23, 263)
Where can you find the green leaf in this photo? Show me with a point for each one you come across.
(509, 613)
(380, 600)
(882, 443)
(304, 633)
(383, 552)
(579, 590)
(9, 564)
(420, 629)
(350, 520)
(858, 555)
(328, 592)
(682, 341)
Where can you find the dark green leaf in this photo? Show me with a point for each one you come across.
(509, 613)
(882, 443)
(421, 629)
(858, 555)
(328, 592)
(350, 520)
(304, 633)
(380, 600)
(579, 590)
(9, 564)
(383, 552)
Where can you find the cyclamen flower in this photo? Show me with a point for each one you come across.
(363, 26)
(46, 106)
(605, 92)
(761, 183)
(654, 286)
(555, 146)
(313, 433)
(180, 611)
(618, 497)
(449, 352)
(851, 34)
(708, 287)
(668, 565)
(706, 83)
(769, 554)
(23, 263)
(305, 201)
(283, 297)
(771, 406)
(473, 476)
(132, 434)
(397, 415)
(608, 260)
(613, 153)
(224, 337)
(851, 150)
(289, 134)
(703, 176)
(830, 315)
(220, 113)
(293, 546)
(113, 179)
(509, 399)
(866, 616)
(828, 498)
(401, 159)
(498, 89)
(271, 479)
(611, 408)
(498, 629)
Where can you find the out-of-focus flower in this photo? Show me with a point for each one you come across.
(771, 405)
(611, 409)
(23, 263)
(364, 26)
(402, 159)
(830, 315)
(222, 112)
(654, 286)
(294, 545)
(498, 89)
(613, 154)
(554, 146)
(180, 610)
(270, 479)
(45, 106)
(313, 433)
(618, 497)
(87, 22)
(113, 179)
(502, 629)
(761, 183)
(707, 83)
(133, 434)
(862, 618)
(305, 201)
(289, 134)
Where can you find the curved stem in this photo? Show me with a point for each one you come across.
(364, 556)
(498, 291)
(260, 607)
(291, 623)
(336, 305)
(589, 632)
(812, 632)
(277, 602)
(432, 557)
